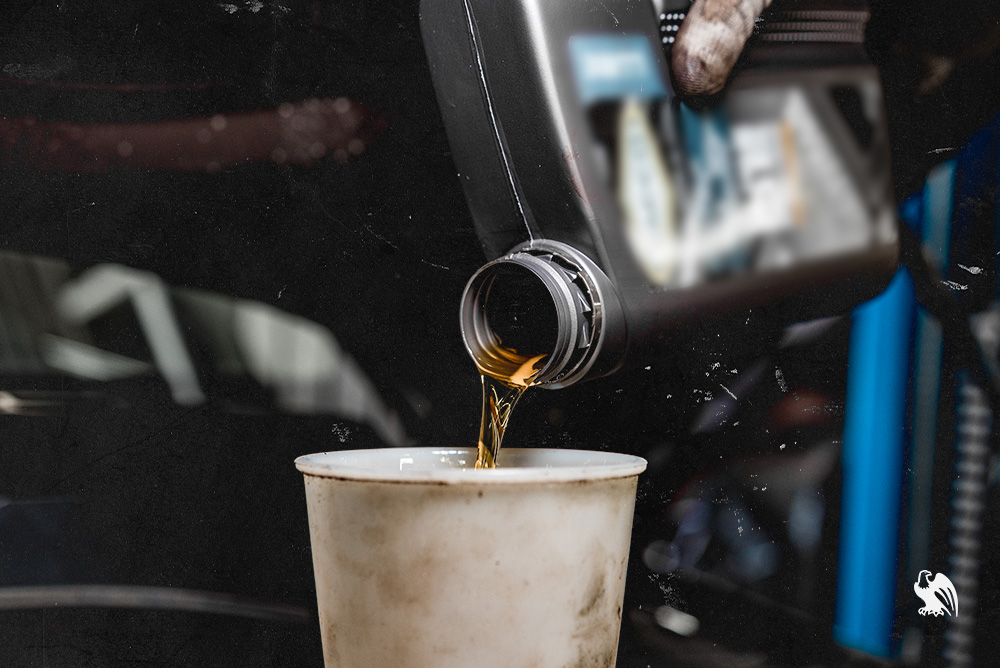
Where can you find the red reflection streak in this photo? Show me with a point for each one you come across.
(299, 134)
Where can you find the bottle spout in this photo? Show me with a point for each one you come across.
(544, 298)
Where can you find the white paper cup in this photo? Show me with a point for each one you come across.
(424, 562)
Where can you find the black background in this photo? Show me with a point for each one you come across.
(377, 249)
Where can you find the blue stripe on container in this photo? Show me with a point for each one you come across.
(873, 463)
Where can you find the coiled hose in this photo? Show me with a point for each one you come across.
(968, 505)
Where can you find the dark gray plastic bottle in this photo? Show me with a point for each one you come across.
(638, 215)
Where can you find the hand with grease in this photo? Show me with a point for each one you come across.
(710, 41)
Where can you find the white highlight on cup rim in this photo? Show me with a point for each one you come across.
(448, 466)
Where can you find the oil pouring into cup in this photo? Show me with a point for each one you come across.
(500, 395)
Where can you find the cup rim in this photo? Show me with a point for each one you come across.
(544, 465)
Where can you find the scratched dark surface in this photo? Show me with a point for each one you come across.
(377, 249)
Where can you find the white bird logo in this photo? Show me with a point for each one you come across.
(937, 593)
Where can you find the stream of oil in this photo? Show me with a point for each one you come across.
(506, 375)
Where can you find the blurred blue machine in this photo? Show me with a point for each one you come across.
(942, 363)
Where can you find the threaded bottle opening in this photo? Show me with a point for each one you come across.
(519, 307)
(545, 298)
